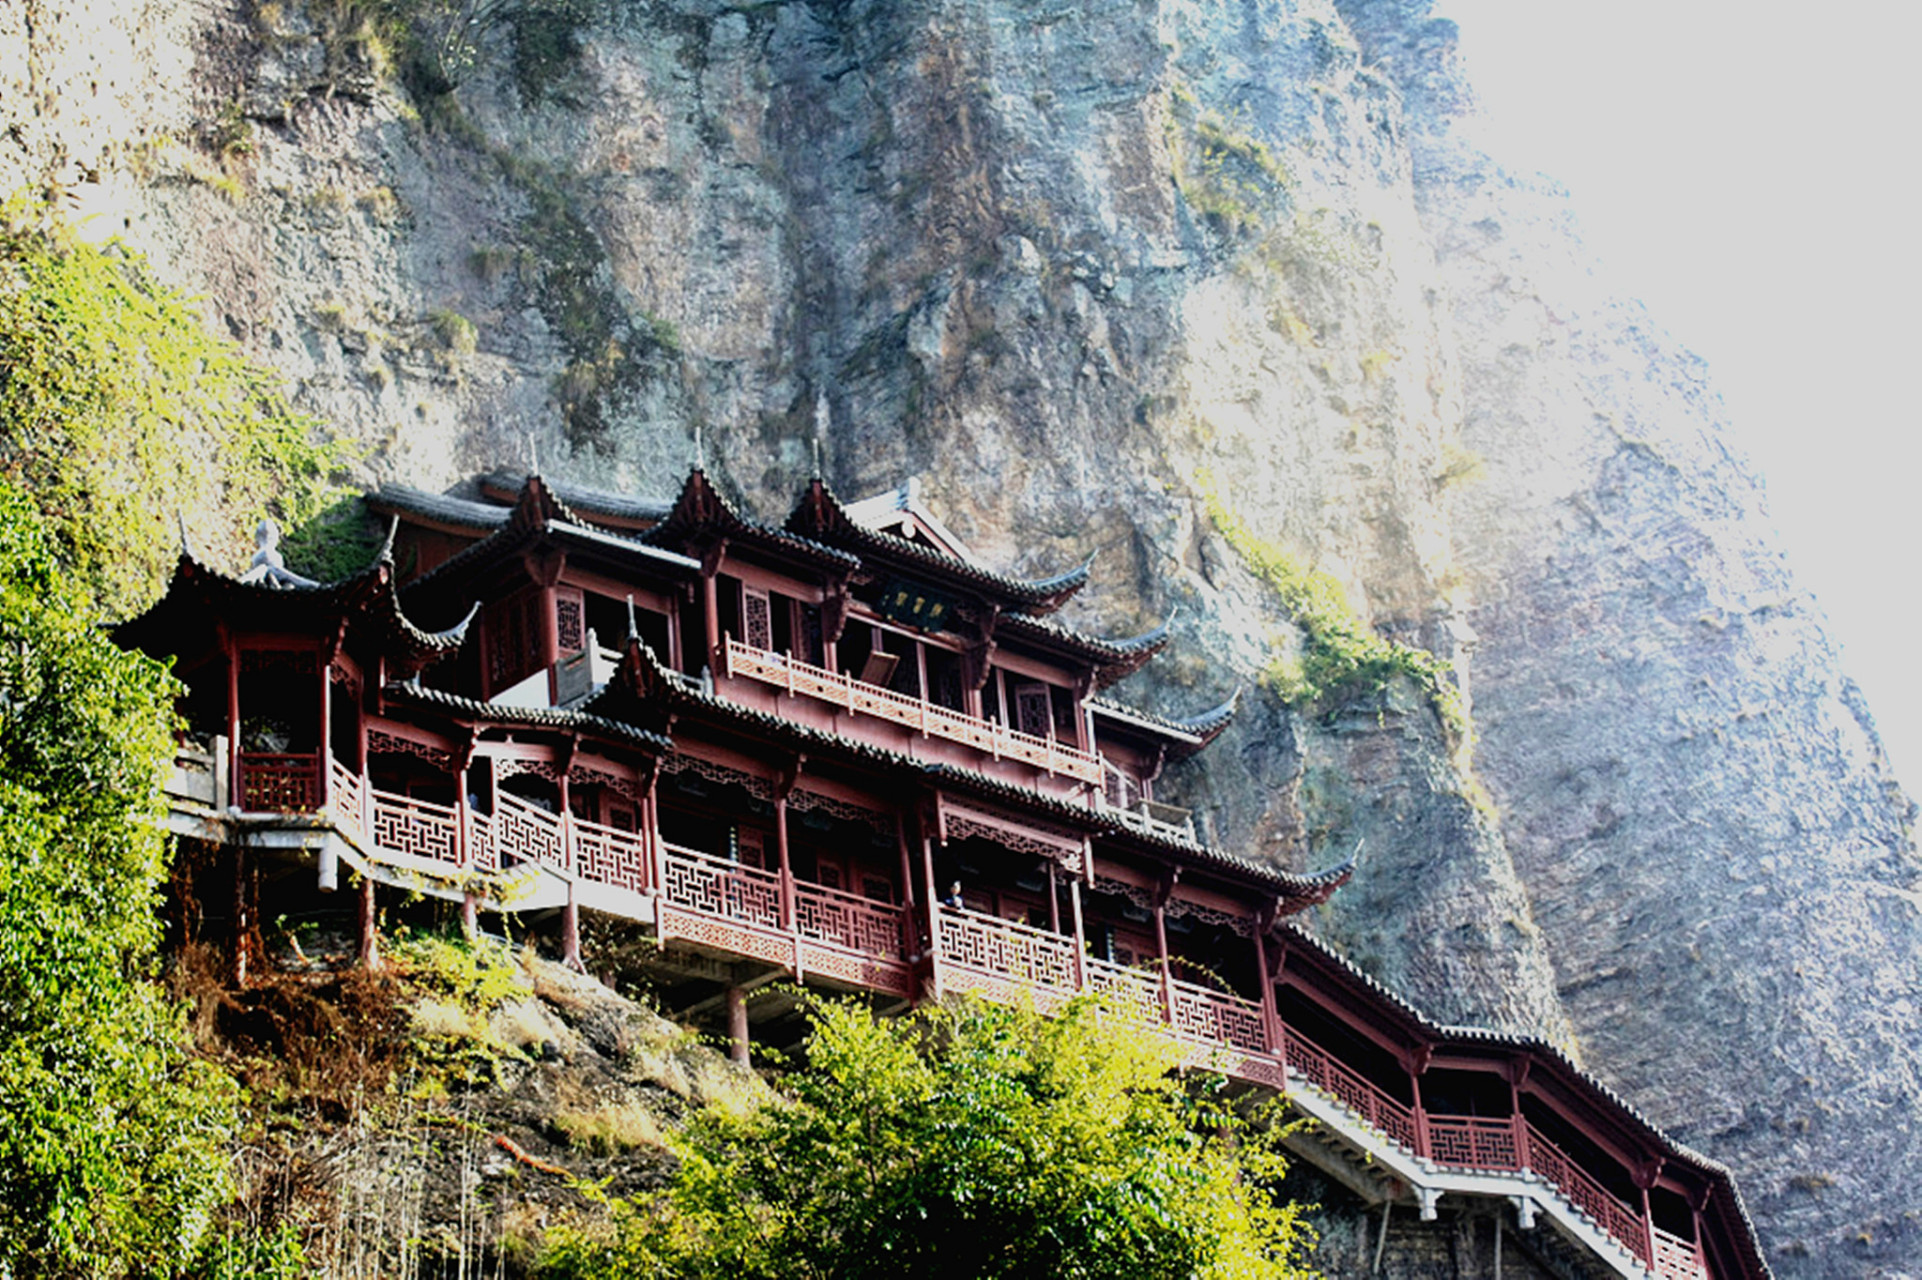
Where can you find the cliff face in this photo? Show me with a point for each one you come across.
(1087, 268)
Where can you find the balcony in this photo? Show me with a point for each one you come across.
(795, 677)
(739, 911)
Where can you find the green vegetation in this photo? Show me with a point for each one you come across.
(112, 1160)
(1226, 174)
(1340, 656)
(968, 1140)
(118, 410)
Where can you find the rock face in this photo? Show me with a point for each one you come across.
(1089, 269)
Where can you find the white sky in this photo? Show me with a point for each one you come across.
(1750, 172)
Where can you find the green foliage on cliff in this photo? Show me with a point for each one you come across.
(965, 1140)
(112, 1157)
(1340, 656)
(118, 410)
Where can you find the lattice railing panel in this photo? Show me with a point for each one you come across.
(1676, 1258)
(1473, 1143)
(416, 828)
(607, 855)
(1218, 1018)
(1133, 992)
(523, 833)
(998, 740)
(1361, 1097)
(1588, 1195)
(1027, 955)
(849, 921)
(480, 842)
(346, 795)
(279, 782)
(729, 890)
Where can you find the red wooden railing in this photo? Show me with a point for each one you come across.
(1588, 1195)
(715, 887)
(1676, 1258)
(848, 921)
(1006, 955)
(347, 796)
(1393, 1119)
(1474, 1142)
(416, 828)
(1005, 949)
(524, 832)
(279, 781)
(1211, 1016)
(796, 677)
(607, 855)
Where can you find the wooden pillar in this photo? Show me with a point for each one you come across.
(1054, 897)
(571, 931)
(324, 757)
(1421, 1112)
(235, 795)
(1080, 937)
(1521, 1124)
(651, 820)
(243, 917)
(934, 914)
(737, 1037)
(369, 927)
(787, 866)
(908, 895)
(1270, 1016)
(711, 604)
(1167, 970)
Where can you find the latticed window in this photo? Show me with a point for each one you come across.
(570, 619)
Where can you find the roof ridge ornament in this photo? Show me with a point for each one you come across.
(267, 567)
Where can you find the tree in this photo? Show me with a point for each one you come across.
(112, 1155)
(966, 1140)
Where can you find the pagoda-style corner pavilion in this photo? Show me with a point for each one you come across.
(842, 751)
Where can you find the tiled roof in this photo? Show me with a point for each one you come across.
(199, 596)
(820, 515)
(1112, 659)
(537, 514)
(1548, 1052)
(505, 486)
(1186, 735)
(399, 499)
(539, 717)
(702, 508)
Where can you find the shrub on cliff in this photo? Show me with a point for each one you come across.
(112, 1150)
(118, 410)
(967, 1140)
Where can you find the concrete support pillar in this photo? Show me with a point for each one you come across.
(369, 927)
(243, 917)
(469, 916)
(737, 1038)
(571, 932)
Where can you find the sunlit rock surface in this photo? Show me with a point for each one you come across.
(1079, 266)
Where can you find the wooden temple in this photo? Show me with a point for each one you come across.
(841, 751)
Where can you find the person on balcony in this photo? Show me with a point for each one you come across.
(954, 896)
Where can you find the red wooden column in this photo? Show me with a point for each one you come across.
(1080, 937)
(787, 866)
(657, 849)
(571, 913)
(369, 958)
(324, 756)
(1645, 1176)
(1270, 1018)
(1161, 947)
(236, 798)
(934, 907)
(1518, 1076)
(1417, 1065)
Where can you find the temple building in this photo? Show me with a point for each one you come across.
(842, 751)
